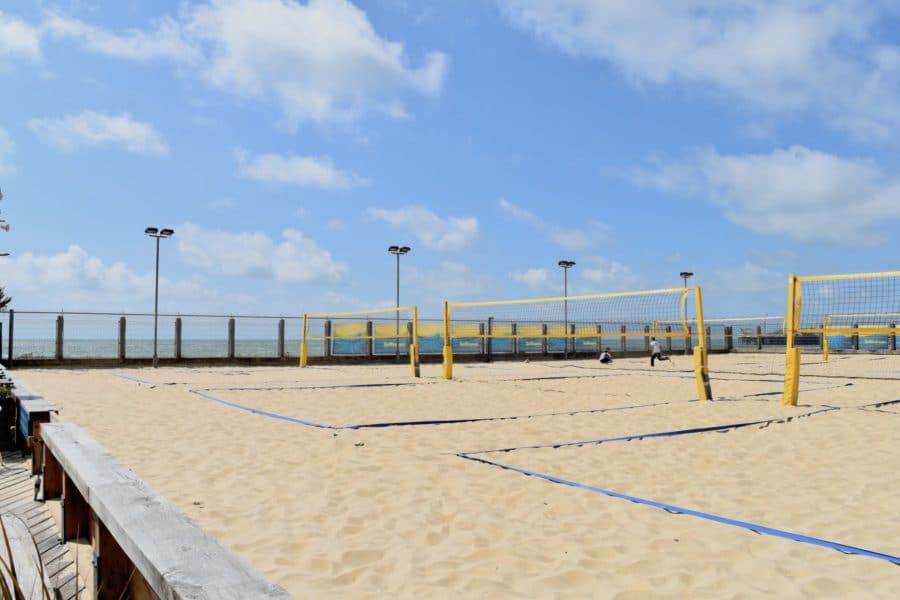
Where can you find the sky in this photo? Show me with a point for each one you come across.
(290, 143)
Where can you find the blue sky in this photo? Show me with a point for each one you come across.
(289, 143)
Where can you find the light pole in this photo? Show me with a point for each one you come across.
(398, 251)
(566, 265)
(158, 234)
(686, 275)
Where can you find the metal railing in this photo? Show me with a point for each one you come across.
(53, 335)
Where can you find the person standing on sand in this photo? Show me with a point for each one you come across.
(656, 352)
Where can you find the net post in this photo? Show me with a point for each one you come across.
(414, 343)
(825, 346)
(304, 345)
(448, 348)
(792, 357)
(701, 361)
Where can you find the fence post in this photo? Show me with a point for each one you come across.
(514, 329)
(855, 337)
(326, 329)
(759, 337)
(822, 337)
(599, 339)
(231, 337)
(280, 338)
(122, 339)
(12, 320)
(1, 341)
(370, 343)
(481, 337)
(490, 345)
(689, 342)
(892, 341)
(545, 332)
(669, 339)
(729, 338)
(574, 346)
(177, 338)
(624, 339)
(646, 338)
(708, 338)
(59, 337)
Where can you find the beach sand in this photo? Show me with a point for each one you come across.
(394, 511)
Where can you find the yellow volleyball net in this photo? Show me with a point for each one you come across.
(854, 314)
(579, 325)
(382, 332)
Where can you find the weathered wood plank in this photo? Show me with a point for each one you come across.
(177, 558)
(31, 578)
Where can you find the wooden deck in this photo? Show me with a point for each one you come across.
(17, 497)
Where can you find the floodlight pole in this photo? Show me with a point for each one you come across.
(566, 265)
(158, 234)
(398, 251)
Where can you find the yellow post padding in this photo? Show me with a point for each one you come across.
(701, 354)
(792, 355)
(414, 346)
(448, 348)
(304, 346)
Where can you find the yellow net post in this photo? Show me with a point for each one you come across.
(304, 345)
(825, 325)
(701, 353)
(414, 344)
(792, 358)
(448, 349)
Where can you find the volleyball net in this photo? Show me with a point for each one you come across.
(577, 325)
(363, 333)
(855, 312)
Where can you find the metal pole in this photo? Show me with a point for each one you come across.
(156, 308)
(397, 332)
(566, 312)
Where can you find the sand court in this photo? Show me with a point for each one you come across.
(395, 511)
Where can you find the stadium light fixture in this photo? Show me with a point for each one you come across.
(156, 233)
(566, 265)
(686, 275)
(398, 251)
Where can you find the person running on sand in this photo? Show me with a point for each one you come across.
(656, 352)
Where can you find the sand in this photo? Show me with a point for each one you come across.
(333, 511)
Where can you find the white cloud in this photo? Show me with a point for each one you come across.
(567, 238)
(76, 280)
(795, 192)
(774, 57)
(452, 233)
(600, 275)
(536, 279)
(18, 38)
(748, 278)
(91, 128)
(336, 225)
(165, 41)
(308, 171)
(321, 61)
(452, 281)
(295, 258)
(6, 148)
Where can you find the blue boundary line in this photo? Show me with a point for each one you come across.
(274, 415)
(754, 527)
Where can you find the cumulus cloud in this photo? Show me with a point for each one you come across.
(320, 61)
(166, 40)
(795, 192)
(568, 238)
(294, 258)
(305, 171)
(18, 38)
(451, 281)
(536, 279)
(95, 129)
(773, 57)
(599, 275)
(437, 233)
